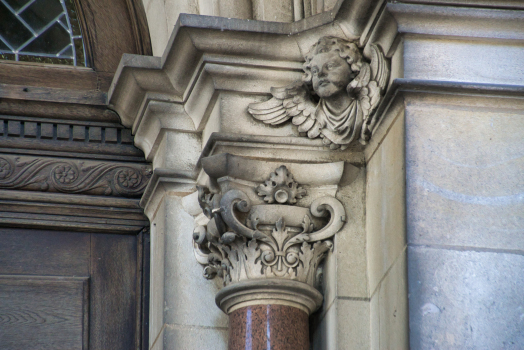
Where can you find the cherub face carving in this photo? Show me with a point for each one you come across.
(331, 74)
(350, 85)
(331, 65)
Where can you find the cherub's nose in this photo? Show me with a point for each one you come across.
(323, 71)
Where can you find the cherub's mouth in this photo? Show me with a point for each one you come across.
(323, 82)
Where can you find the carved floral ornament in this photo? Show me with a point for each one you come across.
(72, 176)
(347, 85)
(276, 239)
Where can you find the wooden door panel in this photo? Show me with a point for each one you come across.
(39, 252)
(43, 312)
(113, 292)
(69, 290)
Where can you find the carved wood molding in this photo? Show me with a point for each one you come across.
(73, 176)
(29, 135)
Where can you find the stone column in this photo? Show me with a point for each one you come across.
(216, 111)
(269, 326)
(265, 235)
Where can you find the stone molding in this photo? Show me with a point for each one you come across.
(293, 149)
(467, 21)
(179, 92)
(269, 291)
(277, 230)
(73, 176)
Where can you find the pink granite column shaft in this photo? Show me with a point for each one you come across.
(268, 327)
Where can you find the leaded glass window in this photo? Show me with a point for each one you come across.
(45, 31)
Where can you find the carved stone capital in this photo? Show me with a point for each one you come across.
(264, 227)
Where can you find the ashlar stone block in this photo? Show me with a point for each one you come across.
(195, 338)
(385, 209)
(464, 173)
(465, 299)
(189, 299)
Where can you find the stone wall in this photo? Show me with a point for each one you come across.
(465, 219)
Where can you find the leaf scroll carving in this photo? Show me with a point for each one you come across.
(73, 176)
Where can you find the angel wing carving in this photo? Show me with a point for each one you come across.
(371, 83)
(288, 102)
(365, 89)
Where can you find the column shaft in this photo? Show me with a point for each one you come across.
(275, 327)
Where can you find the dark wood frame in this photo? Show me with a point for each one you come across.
(110, 28)
(45, 93)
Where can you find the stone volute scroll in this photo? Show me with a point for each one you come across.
(337, 97)
(267, 227)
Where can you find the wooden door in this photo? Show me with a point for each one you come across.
(71, 256)
(70, 290)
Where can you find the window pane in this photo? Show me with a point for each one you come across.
(52, 41)
(45, 31)
(41, 13)
(13, 32)
(17, 4)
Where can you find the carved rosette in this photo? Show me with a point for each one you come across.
(278, 240)
(73, 176)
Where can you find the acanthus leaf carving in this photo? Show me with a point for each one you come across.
(348, 86)
(243, 241)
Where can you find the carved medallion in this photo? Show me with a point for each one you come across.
(337, 96)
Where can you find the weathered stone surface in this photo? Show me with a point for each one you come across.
(182, 161)
(353, 319)
(428, 58)
(385, 209)
(177, 298)
(350, 243)
(324, 329)
(193, 338)
(345, 325)
(465, 299)
(393, 307)
(463, 18)
(464, 174)
(156, 20)
(188, 298)
(156, 295)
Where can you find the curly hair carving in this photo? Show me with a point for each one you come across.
(347, 50)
